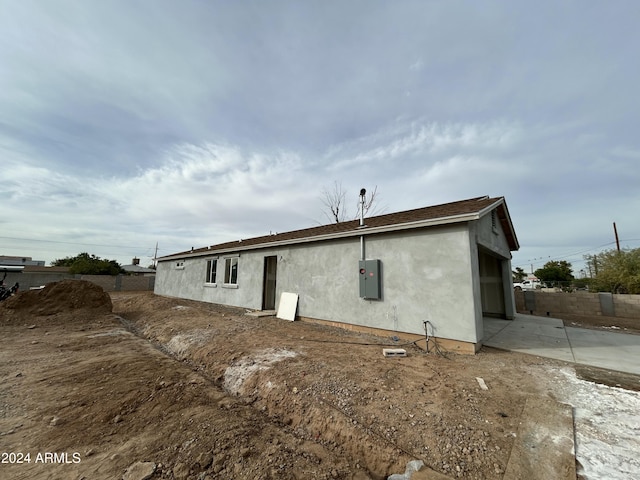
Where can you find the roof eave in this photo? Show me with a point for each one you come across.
(332, 236)
(514, 245)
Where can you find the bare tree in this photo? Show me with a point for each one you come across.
(333, 200)
(334, 203)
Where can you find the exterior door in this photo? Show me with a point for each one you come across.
(269, 283)
(491, 287)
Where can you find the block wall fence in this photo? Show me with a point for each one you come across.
(120, 283)
(115, 283)
(578, 303)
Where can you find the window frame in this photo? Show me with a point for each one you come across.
(211, 266)
(229, 262)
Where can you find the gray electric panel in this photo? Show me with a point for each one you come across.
(370, 279)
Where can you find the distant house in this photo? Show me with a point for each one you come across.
(448, 265)
(32, 276)
(24, 261)
(136, 269)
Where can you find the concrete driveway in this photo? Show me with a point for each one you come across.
(548, 337)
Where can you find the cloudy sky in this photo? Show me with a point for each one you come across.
(187, 123)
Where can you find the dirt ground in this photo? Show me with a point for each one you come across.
(137, 386)
(597, 322)
(612, 324)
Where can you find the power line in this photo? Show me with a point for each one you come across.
(81, 243)
(66, 243)
(582, 252)
(540, 260)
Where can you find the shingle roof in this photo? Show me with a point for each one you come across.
(454, 212)
(137, 269)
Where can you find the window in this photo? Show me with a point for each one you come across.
(212, 266)
(231, 271)
(180, 265)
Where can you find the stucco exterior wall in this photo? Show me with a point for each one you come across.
(426, 275)
(491, 236)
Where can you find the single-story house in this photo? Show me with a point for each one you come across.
(136, 269)
(434, 271)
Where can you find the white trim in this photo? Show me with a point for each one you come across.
(467, 217)
(208, 271)
(230, 284)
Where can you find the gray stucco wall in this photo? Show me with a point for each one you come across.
(426, 275)
(491, 238)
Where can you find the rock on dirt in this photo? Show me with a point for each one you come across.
(140, 471)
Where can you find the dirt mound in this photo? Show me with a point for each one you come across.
(60, 297)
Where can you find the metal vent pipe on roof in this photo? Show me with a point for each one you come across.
(363, 192)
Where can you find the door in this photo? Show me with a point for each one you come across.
(269, 283)
(491, 288)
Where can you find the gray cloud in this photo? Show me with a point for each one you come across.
(191, 122)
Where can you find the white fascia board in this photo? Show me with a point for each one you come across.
(513, 230)
(487, 209)
(11, 268)
(333, 236)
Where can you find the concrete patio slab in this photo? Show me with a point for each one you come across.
(547, 337)
(492, 326)
(611, 350)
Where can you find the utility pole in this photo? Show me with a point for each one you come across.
(615, 232)
(155, 255)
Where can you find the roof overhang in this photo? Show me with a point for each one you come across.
(505, 222)
(442, 221)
